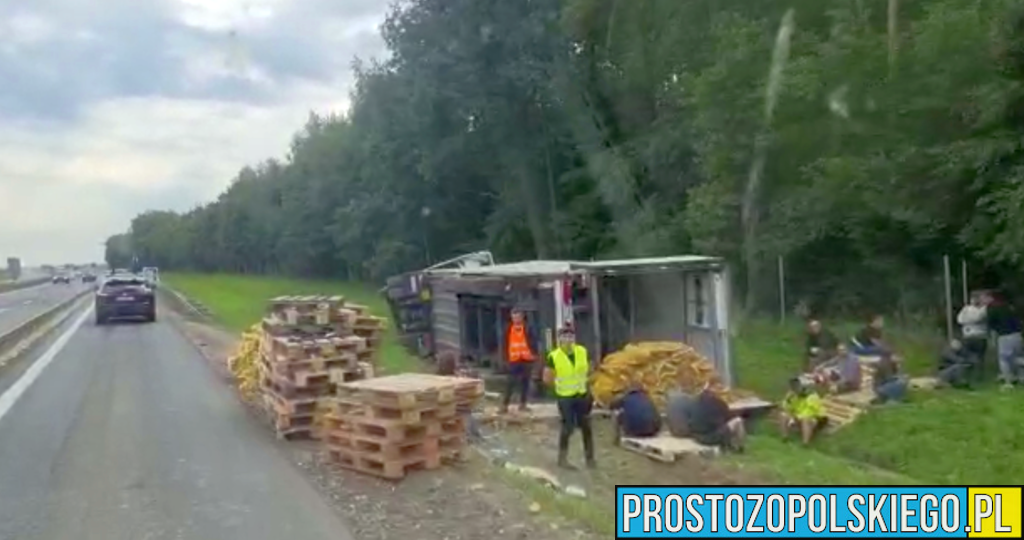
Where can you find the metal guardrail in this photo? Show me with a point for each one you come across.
(15, 285)
(14, 337)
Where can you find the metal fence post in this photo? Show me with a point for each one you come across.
(782, 289)
(949, 297)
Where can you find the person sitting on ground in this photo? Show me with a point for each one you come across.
(712, 422)
(842, 372)
(821, 344)
(678, 408)
(802, 410)
(955, 365)
(869, 342)
(636, 415)
(890, 384)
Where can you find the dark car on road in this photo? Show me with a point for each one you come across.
(88, 277)
(125, 297)
(61, 278)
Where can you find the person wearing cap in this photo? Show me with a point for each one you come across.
(520, 358)
(568, 371)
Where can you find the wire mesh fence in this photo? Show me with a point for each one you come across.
(928, 299)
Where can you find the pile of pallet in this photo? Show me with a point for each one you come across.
(390, 426)
(310, 344)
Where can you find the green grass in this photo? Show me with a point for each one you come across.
(941, 437)
(238, 302)
(788, 463)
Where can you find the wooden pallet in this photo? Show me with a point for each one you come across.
(389, 431)
(299, 348)
(278, 328)
(289, 390)
(411, 390)
(282, 405)
(843, 409)
(447, 444)
(376, 466)
(666, 448)
(425, 413)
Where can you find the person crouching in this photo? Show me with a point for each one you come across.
(636, 416)
(802, 410)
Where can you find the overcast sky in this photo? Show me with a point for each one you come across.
(112, 107)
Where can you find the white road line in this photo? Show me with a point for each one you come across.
(8, 398)
(26, 302)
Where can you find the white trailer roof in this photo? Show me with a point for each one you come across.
(555, 268)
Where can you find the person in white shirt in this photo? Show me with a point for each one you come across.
(974, 330)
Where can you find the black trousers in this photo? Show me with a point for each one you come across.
(519, 375)
(976, 347)
(575, 413)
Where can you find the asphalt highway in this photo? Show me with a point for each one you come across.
(123, 432)
(21, 305)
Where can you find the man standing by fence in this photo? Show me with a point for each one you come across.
(973, 320)
(520, 356)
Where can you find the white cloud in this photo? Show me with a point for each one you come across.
(164, 118)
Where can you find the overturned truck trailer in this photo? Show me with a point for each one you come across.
(410, 300)
(465, 309)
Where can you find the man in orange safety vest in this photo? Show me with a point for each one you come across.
(520, 357)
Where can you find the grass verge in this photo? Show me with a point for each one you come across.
(238, 302)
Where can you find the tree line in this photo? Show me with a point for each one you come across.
(887, 135)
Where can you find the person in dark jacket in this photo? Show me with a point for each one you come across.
(636, 415)
(821, 345)
(868, 341)
(955, 365)
(1004, 322)
(712, 423)
(890, 384)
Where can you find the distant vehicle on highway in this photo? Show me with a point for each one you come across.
(61, 278)
(152, 275)
(124, 297)
(88, 277)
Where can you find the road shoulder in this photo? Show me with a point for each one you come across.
(464, 502)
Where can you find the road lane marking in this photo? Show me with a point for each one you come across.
(11, 396)
(26, 302)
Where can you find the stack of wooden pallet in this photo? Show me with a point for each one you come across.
(310, 345)
(390, 426)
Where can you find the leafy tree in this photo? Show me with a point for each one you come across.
(591, 128)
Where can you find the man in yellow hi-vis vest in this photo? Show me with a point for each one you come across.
(568, 370)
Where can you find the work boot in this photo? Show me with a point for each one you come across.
(524, 408)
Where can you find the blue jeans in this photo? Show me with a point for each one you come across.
(865, 350)
(892, 390)
(1009, 347)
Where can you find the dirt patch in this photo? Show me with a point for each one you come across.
(466, 501)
